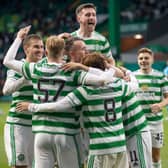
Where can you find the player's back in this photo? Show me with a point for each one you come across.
(50, 84)
(102, 113)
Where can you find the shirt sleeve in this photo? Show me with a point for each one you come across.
(133, 83)
(29, 69)
(88, 78)
(9, 60)
(58, 106)
(73, 99)
(95, 71)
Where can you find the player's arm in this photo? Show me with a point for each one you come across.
(157, 107)
(9, 60)
(12, 85)
(132, 82)
(61, 105)
(96, 80)
(74, 66)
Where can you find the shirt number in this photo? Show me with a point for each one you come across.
(109, 106)
(60, 84)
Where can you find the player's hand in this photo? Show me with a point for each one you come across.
(22, 33)
(155, 108)
(127, 78)
(71, 66)
(22, 106)
(64, 35)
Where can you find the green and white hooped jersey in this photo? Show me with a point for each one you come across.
(50, 83)
(103, 116)
(25, 93)
(152, 86)
(96, 43)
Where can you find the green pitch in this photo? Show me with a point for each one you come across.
(3, 161)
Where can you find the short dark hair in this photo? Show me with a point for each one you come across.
(70, 41)
(85, 5)
(145, 50)
(30, 37)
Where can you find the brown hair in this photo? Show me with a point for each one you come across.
(27, 40)
(94, 60)
(54, 45)
(85, 5)
(145, 50)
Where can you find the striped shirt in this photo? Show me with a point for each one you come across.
(152, 86)
(105, 109)
(96, 43)
(51, 84)
(25, 93)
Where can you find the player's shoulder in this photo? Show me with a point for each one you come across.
(98, 36)
(158, 73)
(74, 33)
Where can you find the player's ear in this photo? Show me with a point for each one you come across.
(25, 48)
(78, 18)
(46, 52)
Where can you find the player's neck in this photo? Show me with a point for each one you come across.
(146, 71)
(84, 33)
(55, 60)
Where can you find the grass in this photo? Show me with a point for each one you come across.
(4, 106)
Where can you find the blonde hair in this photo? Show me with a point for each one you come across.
(54, 45)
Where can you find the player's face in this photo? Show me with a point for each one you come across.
(35, 50)
(78, 51)
(87, 19)
(145, 61)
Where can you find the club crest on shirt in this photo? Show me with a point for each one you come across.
(21, 157)
(144, 88)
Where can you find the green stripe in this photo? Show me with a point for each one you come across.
(54, 124)
(135, 129)
(106, 50)
(95, 42)
(12, 123)
(90, 163)
(25, 70)
(133, 118)
(53, 133)
(56, 114)
(13, 147)
(102, 124)
(77, 151)
(150, 77)
(140, 151)
(79, 96)
(23, 116)
(26, 88)
(157, 118)
(106, 134)
(107, 145)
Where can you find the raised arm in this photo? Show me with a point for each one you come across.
(9, 60)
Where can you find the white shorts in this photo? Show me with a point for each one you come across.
(157, 135)
(117, 160)
(83, 147)
(51, 148)
(19, 142)
(140, 150)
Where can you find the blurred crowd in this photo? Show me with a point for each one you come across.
(54, 17)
